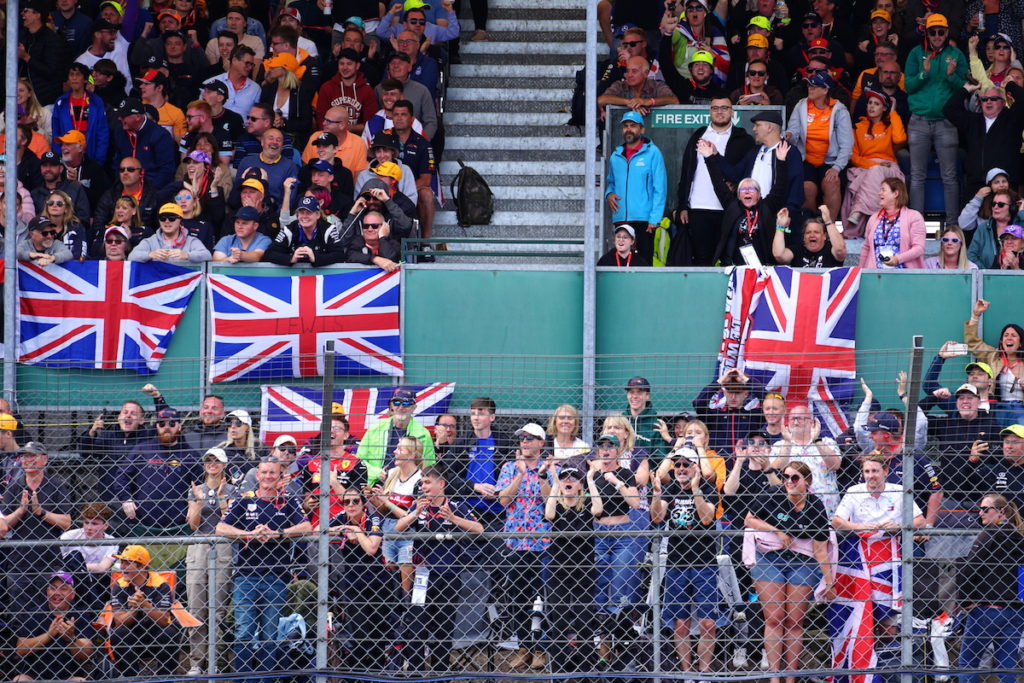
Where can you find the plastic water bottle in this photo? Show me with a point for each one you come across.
(782, 11)
(538, 614)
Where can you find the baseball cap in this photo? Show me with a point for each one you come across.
(34, 5)
(118, 7)
(168, 413)
(308, 203)
(150, 76)
(812, 16)
(881, 14)
(878, 95)
(101, 24)
(129, 106)
(247, 213)
(240, 415)
(217, 454)
(686, 453)
(608, 438)
(72, 137)
(1016, 430)
(254, 184)
(325, 138)
(936, 19)
(414, 4)
(217, 87)
(638, 382)
(978, 365)
(702, 56)
(7, 422)
(883, 422)
(172, 208)
(321, 165)
(383, 139)
(201, 156)
(119, 230)
(33, 447)
(290, 12)
(1012, 231)
(356, 21)
(819, 80)
(39, 223)
(168, 13)
(970, 388)
(993, 172)
(63, 576)
(49, 158)
(531, 429)
(818, 44)
(760, 22)
(759, 433)
(135, 553)
(283, 439)
(400, 56)
(570, 473)
(174, 33)
(403, 394)
(389, 169)
(757, 40)
(283, 59)
(337, 408)
(632, 116)
(628, 228)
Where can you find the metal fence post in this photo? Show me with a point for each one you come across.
(590, 227)
(656, 607)
(10, 209)
(323, 548)
(212, 627)
(907, 533)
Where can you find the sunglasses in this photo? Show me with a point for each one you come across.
(129, 169)
(404, 402)
(683, 465)
(168, 217)
(113, 240)
(986, 509)
(417, 22)
(811, 24)
(182, 197)
(371, 226)
(757, 72)
(55, 202)
(793, 478)
(352, 501)
(257, 118)
(951, 240)
(630, 43)
(166, 423)
(235, 422)
(49, 233)
(937, 31)
(287, 449)
(696, 8)
(816, 71)
(1001, 47)
(990, 98)
(1000, 205)
(744, 190)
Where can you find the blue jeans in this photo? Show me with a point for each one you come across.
(1009, 413)
(616, 559)
(258, 600)
(1000, 626)
(924, 135)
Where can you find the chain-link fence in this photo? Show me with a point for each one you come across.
(705, 528)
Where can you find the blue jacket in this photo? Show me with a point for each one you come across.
(97, 135)
(157, 478)
(155, 150)
(640, 184)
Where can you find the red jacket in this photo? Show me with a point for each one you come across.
(359, 98)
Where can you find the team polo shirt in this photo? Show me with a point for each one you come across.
(860, 507)
(274, 556)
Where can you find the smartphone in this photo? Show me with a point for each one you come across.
(957, 349)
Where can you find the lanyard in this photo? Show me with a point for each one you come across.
(752, 219)
(618, 261)
(887, 223)
(1006, 361)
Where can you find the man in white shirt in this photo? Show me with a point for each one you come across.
(107, 43)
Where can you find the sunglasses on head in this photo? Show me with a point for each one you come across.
(630, 43)
(937, 31)
(417, 22)
(951, 240)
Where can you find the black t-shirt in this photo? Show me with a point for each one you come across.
(634, 260)
(752, 488)
(613, 502)
(823, 258)
(54, 661)
(357, 565)
(53, 497)
(698, 548)
(442, 556)
(569, 552)
(156, 591)
(811, 521)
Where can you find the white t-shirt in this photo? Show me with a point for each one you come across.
(702, 192)
(824, 482)
(858, 506)
(119, 55)
(1009, 388)
(578, 447)
(403, 493)
(90, 553)
(763, 171)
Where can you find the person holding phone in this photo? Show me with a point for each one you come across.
(895, 236)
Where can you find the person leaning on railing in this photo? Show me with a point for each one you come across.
(987, 587)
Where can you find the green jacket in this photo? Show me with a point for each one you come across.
(927, 93)
(373, 443)
(647, 436)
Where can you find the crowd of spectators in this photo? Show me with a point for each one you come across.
(194, 131)
(874, 92)
(739, 456)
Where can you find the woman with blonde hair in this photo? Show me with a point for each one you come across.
(37, 116)
(243, 449)
(127, 217)
(61, 212)
(564, 430)
(395, 499)
(632, 458)
(952, 251)
(289, 95)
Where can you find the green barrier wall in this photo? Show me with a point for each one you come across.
(517, 335)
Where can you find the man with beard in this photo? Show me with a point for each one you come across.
(153, 485)
(817, 250)
(702, 83)
(380, 194)
(80, 168)
(52, 170)
(109, 44)
(637, 183)
(377, 447)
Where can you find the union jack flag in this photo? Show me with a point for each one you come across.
(795, 332)
(868, 590)
(274, 327)
(297, 410)
(101, 314)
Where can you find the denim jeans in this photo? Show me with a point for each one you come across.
(1000, 626)
(616, 560)
(923, 135)
(258, 600)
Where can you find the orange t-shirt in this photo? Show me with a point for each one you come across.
(878, 145)
(817, 133)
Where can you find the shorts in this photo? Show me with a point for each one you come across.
(814, 174)
(786, 567)
(396, 551)
(690, 590)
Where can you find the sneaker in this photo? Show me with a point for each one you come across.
(764, 661)
(739, 659)
(479, 34)
(195, 671)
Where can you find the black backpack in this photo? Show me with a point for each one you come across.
(474, 202)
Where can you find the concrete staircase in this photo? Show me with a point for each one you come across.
(505, 116)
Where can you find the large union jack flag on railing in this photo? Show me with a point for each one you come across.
(297, 410)
(796, 331)
(101, 314)
(276, 327)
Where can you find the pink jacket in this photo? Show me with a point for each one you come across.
(912, 237)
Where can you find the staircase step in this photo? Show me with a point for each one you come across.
(555, 82)
(536, 232)
(496, 27)
(572, 61)
(472, 156)
(521, 105)
(520, 181)
(449, 169)
(478, 118)
(516, 218)
(491, 129)
(517, 47)
(507, 142)
(460, 93)
(506, 193)
(576, 5)
(461, 73)
(525, 16)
